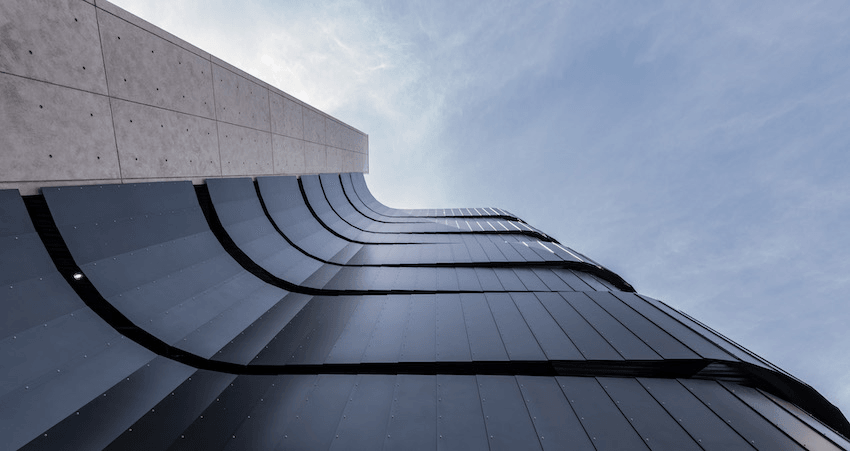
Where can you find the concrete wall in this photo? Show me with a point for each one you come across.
(90, 93)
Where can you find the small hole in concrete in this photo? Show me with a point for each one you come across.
(75, 19)
(137, 159)
(91, 114)
(40, 106)
(98, 158)
(84, 67)
(131, 120)
(50, 155)
(30, 52)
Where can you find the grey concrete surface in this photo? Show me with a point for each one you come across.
(90, 93)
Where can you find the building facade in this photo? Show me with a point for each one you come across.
(266, 300)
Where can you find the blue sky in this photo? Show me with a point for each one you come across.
(700, 150)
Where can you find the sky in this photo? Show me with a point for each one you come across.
(701, 150)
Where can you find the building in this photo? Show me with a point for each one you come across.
(184, 289)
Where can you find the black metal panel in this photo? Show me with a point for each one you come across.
(781, 418)
(485, 342)
(580, 332)
(519, 342)
(684, 334)
(606, 426)
(364, 419)
(715, 338)
(113, 411)
(556, 423)
(530, 280)
(419, 339)
(166, 423)
(509, 425)
(487, 278)
(812, 422)
(737, 415)
(219, 422)
(105, 220)
(660, 341)
(654, 424)
(551, 280)
(509, 280)
(314, 425)
(413, 414)
(452, 337)
(244, 347)
(460, 421)
(702, 424)
(549, 335)
(386, 341)
(355, 337)
(624, 341)
(272, 413)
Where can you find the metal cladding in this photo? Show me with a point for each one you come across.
(302, 314)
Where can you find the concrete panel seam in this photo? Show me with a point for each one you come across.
(24, 77)
(111, 112)
(162, 33)
(215, 113)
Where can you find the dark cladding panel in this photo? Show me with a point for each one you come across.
(549, 335)
(314, 426)
(509, 426)
(386, 341)
(623, 340)
(355, 337)
(244, 347)
(654, 424)
(216, 425)
(113, 411)
(419, 337)
(687, 336)
(467, 280)
(518, 340)
(710, 334)
(165, 423)
(460, 422)
(487, 278)
(413, 414)
(660, 341)
(781, 418)
(580, 332)
(702, 424)
(509, 280)
(739, 416)
(484, 339)
(554, 420)
(333, 316)
(551, 280)
(452, 341)
(605, 424)
(447, 279)
(364, 419)
(530, 280)
(273, 412)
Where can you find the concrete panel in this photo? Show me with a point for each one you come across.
(333, 133)
(52, 40)
(154, 142)
(145, 25)
(288, 155)
(244, 151)
(54, 133)
(240, 101)
(314, 126)
(315, 158)
(335, 159)
(286, 116)
(146, 68)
